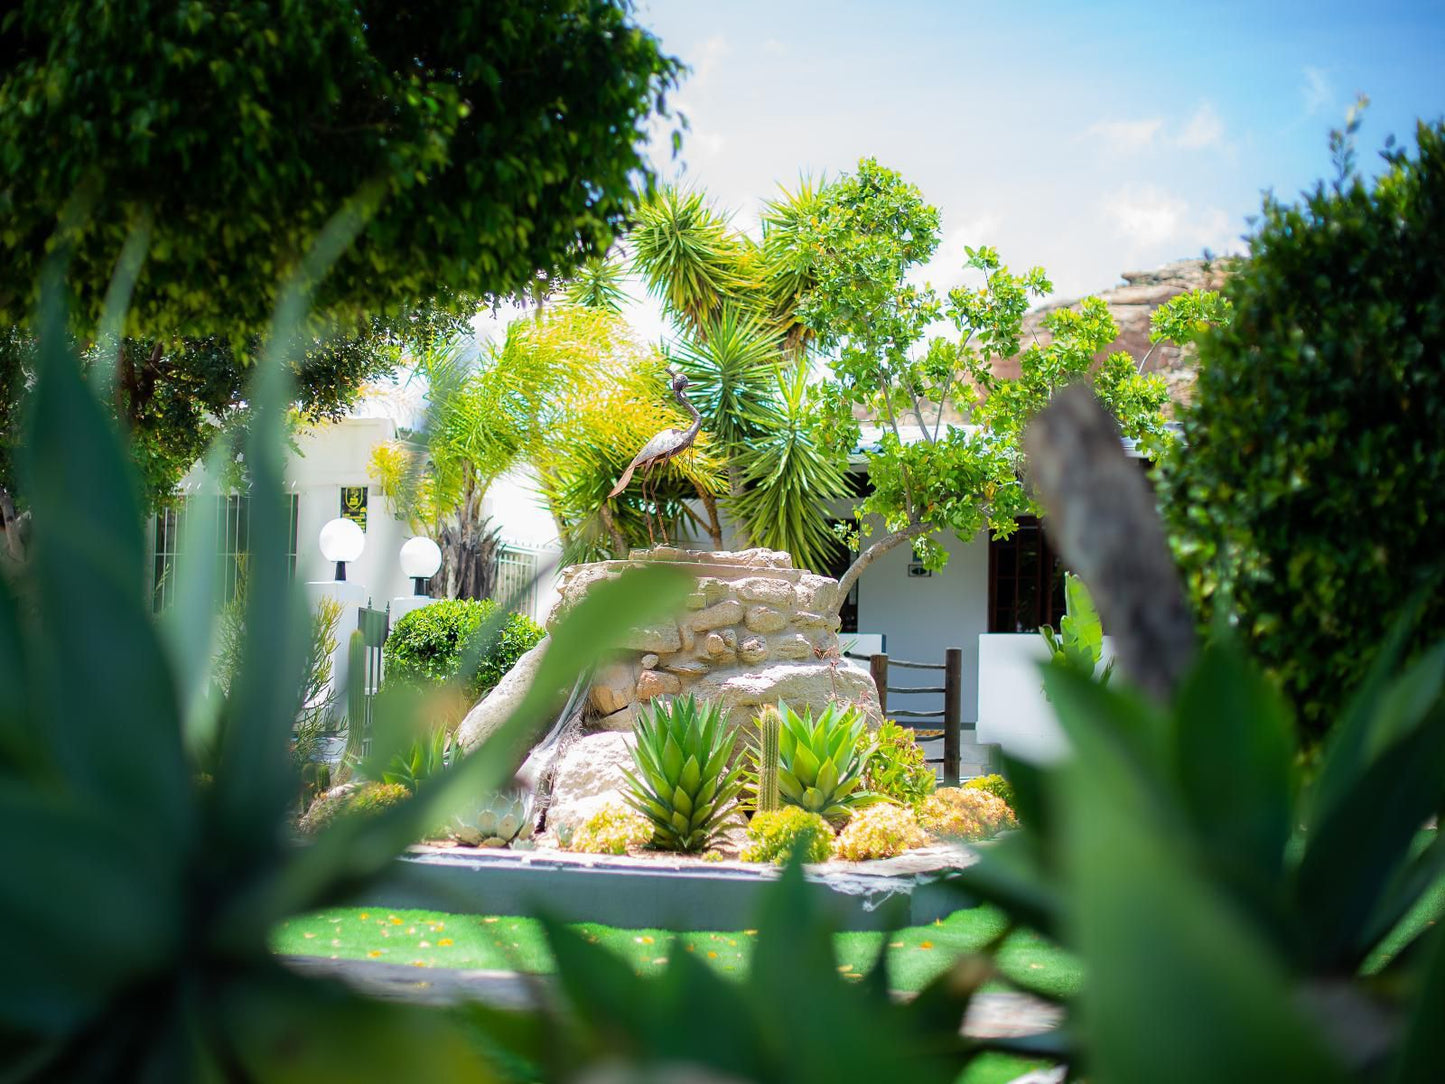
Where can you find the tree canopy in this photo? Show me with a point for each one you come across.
(495, 140)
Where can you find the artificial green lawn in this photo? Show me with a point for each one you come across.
(437, 939)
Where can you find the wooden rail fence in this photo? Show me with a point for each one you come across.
(950, 716)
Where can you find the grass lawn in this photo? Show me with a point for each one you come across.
(915, 954)
(436, 939)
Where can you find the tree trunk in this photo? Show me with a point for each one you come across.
(872, 553)
(714, 526)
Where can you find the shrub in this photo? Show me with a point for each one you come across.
(776, 835)
(683, 783)
(823, 761)
(426, 757)
(880, 831)
(364, 800)
(428, 645)
(898, 769)
(965, 813)
(996, 785)
(613, 829)
(1306, 495)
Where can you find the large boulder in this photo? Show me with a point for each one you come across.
(494, 709)
(589, 776)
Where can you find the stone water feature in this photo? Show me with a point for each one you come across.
(755, 630)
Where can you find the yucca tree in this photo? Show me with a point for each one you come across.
(692, 260)
(598, 285)
(789, 477)
(789, 270)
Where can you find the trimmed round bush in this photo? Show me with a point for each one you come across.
(775, 835)
(880, 831)
(965, 813)
(426, 646)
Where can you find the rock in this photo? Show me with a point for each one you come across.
(497, 706)
(613, 687)
(714, 646)
(790, 647)
(713, 590)
(765, 619)
(817, 594)
(804, 619)
(730, 637)
(811, 684)
(651, 683)
(649, 661)
(729, 612)
(695, 601)
(778, 593)
(689, 638)
(753, 650)
(621, 721)
(687, 668)
(660, 638)
(589, 775)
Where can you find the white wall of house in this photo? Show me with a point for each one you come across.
(1013, 711)
(924, 615)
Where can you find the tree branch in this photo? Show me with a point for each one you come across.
(872, 553)
(1102, 517)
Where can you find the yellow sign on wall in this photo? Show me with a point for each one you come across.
(353, 504)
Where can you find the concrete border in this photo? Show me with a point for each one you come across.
(652, 894)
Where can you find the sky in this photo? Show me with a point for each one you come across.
(1088, 138)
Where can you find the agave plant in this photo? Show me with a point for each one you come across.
(823, 762)
(683, 783)
(498, 820)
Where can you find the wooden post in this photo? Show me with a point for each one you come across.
(952, 713)
(878, 667)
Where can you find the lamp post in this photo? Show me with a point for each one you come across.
(342, 541)
(420, 558)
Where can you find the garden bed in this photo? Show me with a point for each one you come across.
(670, 891)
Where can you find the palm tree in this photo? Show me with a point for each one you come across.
(789, 271)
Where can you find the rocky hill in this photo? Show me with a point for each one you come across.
(1131, 305)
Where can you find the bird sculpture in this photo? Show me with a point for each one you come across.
(665, 445)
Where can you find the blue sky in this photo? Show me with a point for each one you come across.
(1089, 138)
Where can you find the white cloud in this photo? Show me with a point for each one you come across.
(1156, 223)
(774, 47)
(1127, 135)
(1204, 129)
(1317, 92)
(709, 57)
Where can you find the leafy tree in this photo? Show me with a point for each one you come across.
(492, 140)
(873, 327)
(1309, 498)
(190, 155)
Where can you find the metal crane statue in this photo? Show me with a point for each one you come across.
(662, 447)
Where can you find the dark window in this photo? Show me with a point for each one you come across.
(1025, 580)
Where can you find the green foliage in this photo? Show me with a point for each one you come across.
(491, 140)
(996, 785)
(1308, 500)
(422, 761)
(898, 768)
(777, 835)
(824, 760)
(430, 645)
(1179, 842)
(1080, 640)
(884, 830)
(496, 820)
(683, 783)
(611, 830)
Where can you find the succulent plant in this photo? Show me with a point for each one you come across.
(823, 761)
(498, 820)
(683, 783)
(774, 836)
(766, 760)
